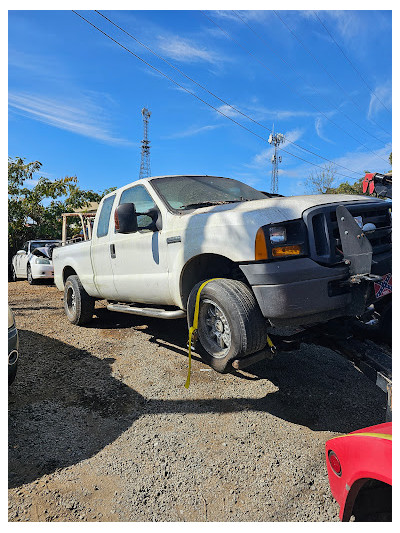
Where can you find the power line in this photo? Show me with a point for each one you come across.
(195, 95)
(290, 86)
(351, 63)
(214, 95)
(325, 70)
(305, 81)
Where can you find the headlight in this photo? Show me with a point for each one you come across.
(279, 242)
(42, 261)
(277, 234)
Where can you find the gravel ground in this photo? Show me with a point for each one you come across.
(101, 427)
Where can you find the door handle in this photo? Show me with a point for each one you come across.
(112, 251)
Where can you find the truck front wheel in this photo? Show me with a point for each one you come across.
(78, 305)
(230, 322)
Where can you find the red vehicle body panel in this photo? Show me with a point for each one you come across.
(363, 454)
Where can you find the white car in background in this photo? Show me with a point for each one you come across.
(34, 261)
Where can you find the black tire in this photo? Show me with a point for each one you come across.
(12, 372)
(230, 322)
(13, 274)
(29, 276)
(78, 305)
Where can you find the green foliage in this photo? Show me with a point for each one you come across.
(347, 188)
(35, 212)
(390, 159)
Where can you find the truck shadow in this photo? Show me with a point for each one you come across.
(65, 405)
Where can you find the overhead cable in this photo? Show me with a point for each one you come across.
(195, 95)
(325, 70)
(290, 86)
(305, 81)
(351, 63)
(217, 97)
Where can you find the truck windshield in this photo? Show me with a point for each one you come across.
(192, 192)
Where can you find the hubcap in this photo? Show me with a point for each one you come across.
(214, 330)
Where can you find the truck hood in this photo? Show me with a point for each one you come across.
(268, 211)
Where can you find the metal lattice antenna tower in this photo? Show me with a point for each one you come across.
(145, 160)
(276, 139)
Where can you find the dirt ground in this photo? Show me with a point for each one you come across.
(101, 427)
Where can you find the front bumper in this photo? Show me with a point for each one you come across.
(301, 291)
(42, 271)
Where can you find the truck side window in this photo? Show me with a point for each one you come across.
(104, 218)
(139, 196)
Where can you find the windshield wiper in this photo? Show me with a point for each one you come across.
(206, 204)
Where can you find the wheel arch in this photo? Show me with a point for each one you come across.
(206, 266)
(68, 271)
(354, 502)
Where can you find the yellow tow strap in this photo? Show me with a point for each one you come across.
(193, 329)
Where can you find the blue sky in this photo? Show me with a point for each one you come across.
(75, 97)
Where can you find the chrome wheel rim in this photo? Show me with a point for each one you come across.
(214, 330)
(71, 301)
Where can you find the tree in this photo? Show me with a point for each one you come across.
(319, 181)
(347, 188)
(35, 212)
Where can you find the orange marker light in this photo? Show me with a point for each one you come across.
(284, 251)
(261, 246)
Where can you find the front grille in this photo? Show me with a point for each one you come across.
(323, 230)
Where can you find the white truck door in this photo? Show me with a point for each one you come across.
(140, 259)
(100, 250)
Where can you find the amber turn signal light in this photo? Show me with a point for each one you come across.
(261, 246)
(285, 251)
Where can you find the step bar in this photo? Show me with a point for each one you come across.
(147, 311)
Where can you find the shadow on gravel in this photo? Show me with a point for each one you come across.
(318, 388)
(65, 406)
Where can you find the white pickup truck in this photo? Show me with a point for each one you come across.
(279, 261)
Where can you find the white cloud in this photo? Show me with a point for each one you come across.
(259, 112)
(361, 161)
(384, 94)
(185, 50)
(81, 115)
(318, 129)
(294, 135)
(190, 132)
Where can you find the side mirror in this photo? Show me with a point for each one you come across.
(125, 218)
(21, 252)
(156, 219)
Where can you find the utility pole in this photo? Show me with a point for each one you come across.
(275, 139)
(145, 160)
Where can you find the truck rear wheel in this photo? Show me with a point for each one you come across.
(230, 322)
(78, 305)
